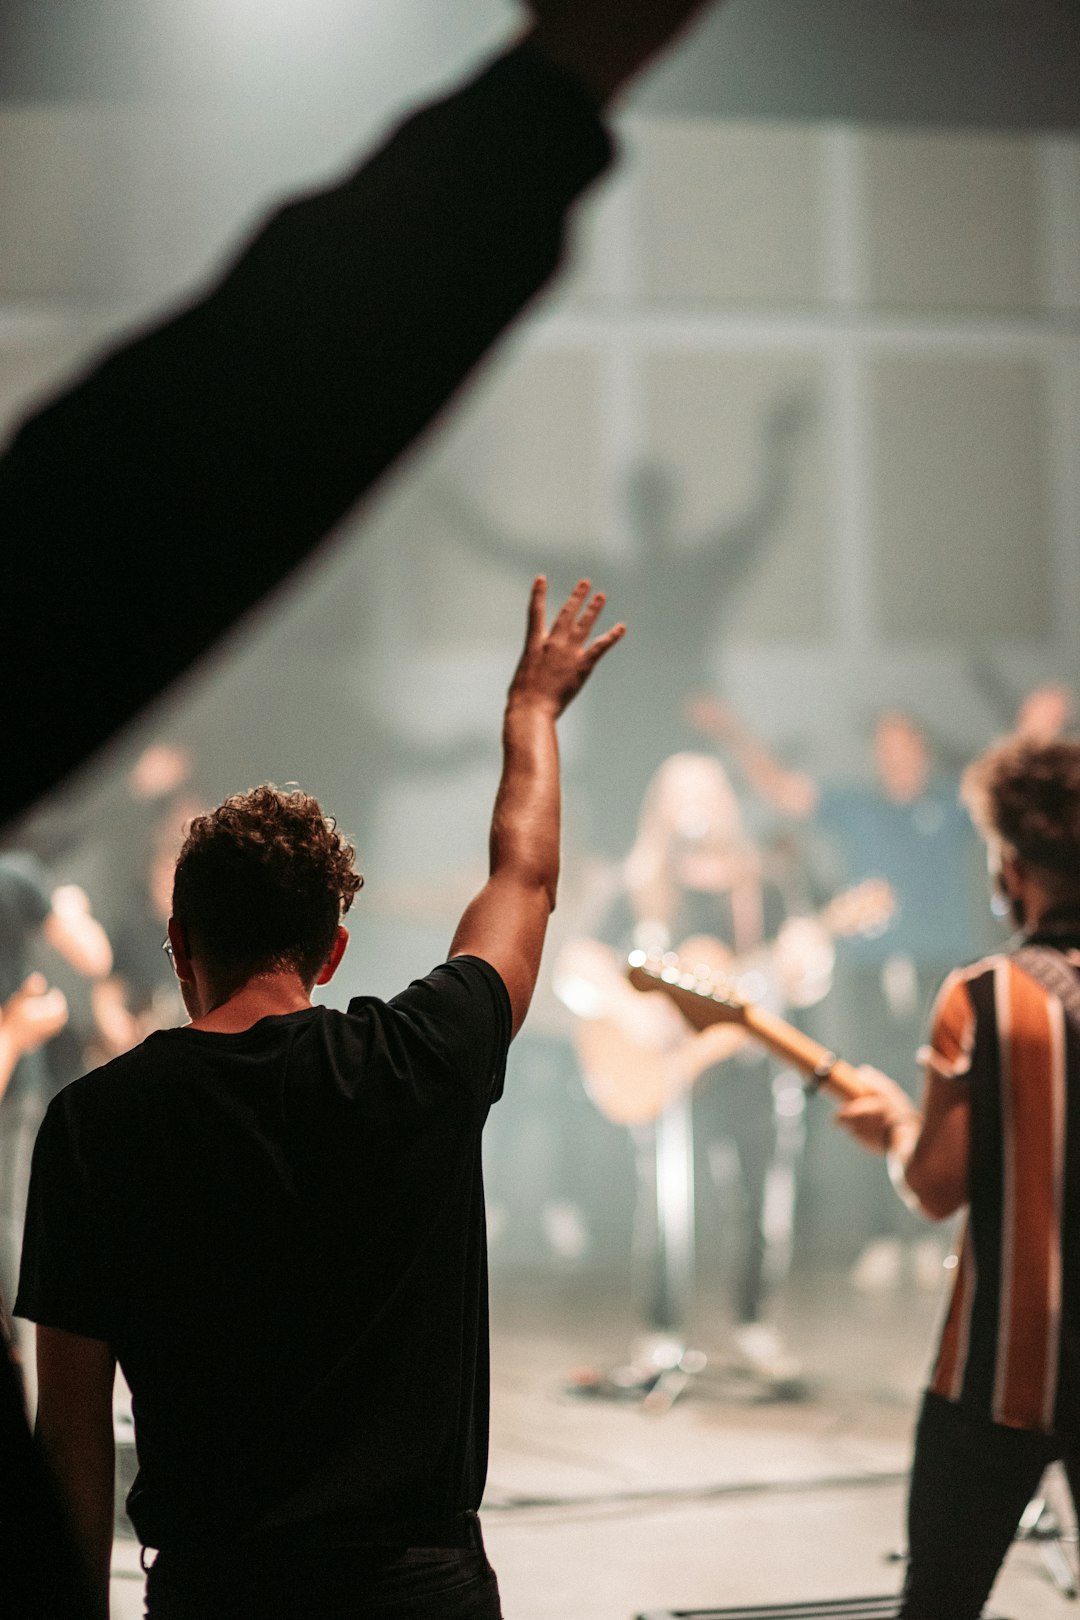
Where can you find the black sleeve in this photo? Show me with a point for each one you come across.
(27, 892)
(63, 1272)
(163, 495)
(42, 1577)
(455, 1025)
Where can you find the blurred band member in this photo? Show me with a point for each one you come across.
(694, 871)
(998, 1132)
(902, 823)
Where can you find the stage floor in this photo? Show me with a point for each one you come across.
(597, 1510)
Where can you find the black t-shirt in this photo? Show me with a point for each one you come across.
(281, 1234)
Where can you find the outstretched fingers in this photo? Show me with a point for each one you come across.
(566, 618)
(603, 644)
(536, 621)
(575, 621)
(590, 615)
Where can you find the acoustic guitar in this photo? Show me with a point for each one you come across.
(637, 1054)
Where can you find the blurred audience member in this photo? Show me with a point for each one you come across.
(33, 1015)
(141, 993)
(31, 908)
(42, 1580)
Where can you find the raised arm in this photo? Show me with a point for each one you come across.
(236, 434)
(604, 43)
(72, 930)
(506, 922)
(29, 1018)
(795, 793)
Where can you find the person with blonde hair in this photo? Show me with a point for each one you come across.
(694, 872)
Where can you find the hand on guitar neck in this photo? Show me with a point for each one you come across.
(875, 1109)
(882, 1118)
(637, 1057)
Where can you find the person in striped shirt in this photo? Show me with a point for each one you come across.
(999, 1133)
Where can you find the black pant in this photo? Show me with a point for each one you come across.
(970, 1482)
(367, 1583)
(734, 1104)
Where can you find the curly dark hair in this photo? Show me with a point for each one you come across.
(262, 883)
(1028, 795)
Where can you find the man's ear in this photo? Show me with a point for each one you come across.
(1013, 873)
(181, 956)
(337, 951)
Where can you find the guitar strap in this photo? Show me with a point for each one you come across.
(1050, 969)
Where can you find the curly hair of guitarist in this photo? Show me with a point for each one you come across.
(1027, 796)
(262, 884)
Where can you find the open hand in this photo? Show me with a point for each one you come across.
(34, 1014)
(556, 663)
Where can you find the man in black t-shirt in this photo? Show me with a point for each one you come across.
(273, 1218)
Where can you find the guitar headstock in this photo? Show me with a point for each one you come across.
(702, 996)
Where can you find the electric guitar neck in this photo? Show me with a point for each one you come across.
(706, 998)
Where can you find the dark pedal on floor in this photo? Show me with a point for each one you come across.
(866, 1608)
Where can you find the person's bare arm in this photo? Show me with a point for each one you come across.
(29, 1018)
(936, 1169)
(75, 1432)
(793, 792)
(118, 1028)
(506, 922)
(73, 931)
(928, 1149)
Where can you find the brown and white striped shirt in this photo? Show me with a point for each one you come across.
(1009, 1344)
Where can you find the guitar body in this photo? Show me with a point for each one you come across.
(629, 1083)
(638, 1053)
